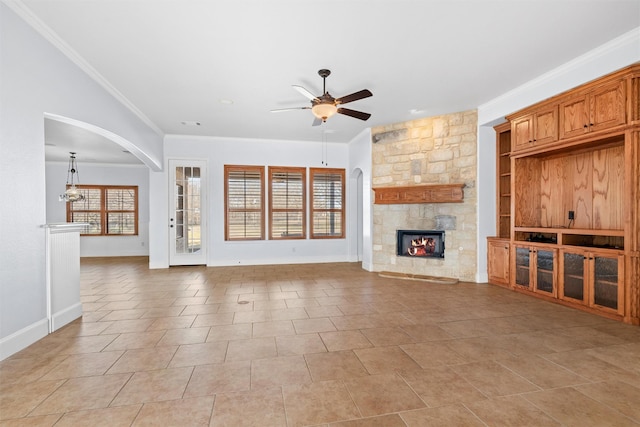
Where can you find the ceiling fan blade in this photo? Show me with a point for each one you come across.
(364, 93)
(316, 122)
(353, 113)
(280, 110)
(305, 92)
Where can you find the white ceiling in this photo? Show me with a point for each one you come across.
(175, 60)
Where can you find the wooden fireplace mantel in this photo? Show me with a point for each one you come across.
(430, 193)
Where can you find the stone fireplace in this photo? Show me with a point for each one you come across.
(431, 151)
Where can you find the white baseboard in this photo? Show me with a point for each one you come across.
(482, 278)
(62, 317)
(279, 261)
(23, 338)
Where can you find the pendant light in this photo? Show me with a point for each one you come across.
(72, 193)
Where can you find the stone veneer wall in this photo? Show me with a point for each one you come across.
(434, 150)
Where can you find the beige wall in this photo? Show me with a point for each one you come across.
(433, 150)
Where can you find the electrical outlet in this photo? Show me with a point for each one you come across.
(572, 215)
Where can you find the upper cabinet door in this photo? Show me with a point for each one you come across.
(522, 132)
(546, 125)
(574, 117)
(608, 106)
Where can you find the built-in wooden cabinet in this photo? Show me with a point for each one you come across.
(535, 128)
(498, 261)
(574, 198)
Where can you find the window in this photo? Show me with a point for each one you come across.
(327, 206)
(244, 202)
(287, 203)
(109, 210)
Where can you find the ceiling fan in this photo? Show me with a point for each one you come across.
(325, 106)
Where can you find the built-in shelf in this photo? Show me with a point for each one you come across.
(590, 238)
(564, 230)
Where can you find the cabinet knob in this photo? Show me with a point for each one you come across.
(586, 126)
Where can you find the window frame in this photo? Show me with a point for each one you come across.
(303, 211)
(104, 212)
(313, 210)
(227, 209)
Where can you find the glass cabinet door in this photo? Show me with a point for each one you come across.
(523, 258)
(573, 275)
(545, 271)
(605, 281)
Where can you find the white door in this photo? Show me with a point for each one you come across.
(187, 212)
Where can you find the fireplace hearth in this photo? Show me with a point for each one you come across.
(420, 243)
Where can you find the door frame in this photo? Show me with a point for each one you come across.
(202, 256)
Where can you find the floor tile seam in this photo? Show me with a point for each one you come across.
(135, 418)
(524, 395)
(101, 299)
(575, 387)
(41, 377)
(353, 400)
(44, 398)
(132, 351)
(518, 375)
(545, 356)
(69, 380)
(133, 374)
(591, 352)
(451, 368)
(176, 317)
(462, 357)
(565, 368)
(478, 417)
(186, 386)
(369, 417)
(413, 390)
(59, 414)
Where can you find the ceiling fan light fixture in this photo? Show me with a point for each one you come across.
(326, 106)
(323, 111)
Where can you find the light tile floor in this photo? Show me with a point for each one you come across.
(326, 344)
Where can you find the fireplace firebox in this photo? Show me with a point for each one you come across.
(420, 243)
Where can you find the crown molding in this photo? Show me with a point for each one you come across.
(578, 67)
